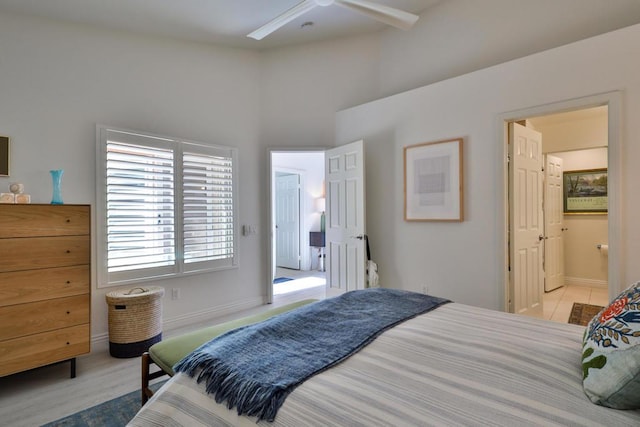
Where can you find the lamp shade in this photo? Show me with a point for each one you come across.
(320, 204)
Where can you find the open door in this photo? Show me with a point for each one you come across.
(526, 220)
(553, 226)
(345, 220)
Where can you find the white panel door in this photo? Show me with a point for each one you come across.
(288, 221)
(527, 228)
(553, 226)
(345, 218)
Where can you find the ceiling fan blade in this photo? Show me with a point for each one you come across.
(394, 17)
(288, 16)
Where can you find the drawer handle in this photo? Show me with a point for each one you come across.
(68, 282)
(68, 312)
(68, 251)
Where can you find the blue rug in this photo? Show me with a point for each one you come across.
(113, 413)
(281, 279)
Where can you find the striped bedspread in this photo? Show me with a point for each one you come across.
(456, 365)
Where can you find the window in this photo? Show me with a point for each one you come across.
(165, 207)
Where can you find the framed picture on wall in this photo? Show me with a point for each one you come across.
(4, 156)
(585, 191)
(433, 181)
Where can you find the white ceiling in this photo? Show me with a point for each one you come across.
(223, 22)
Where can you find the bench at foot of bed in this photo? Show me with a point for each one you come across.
(170, 351)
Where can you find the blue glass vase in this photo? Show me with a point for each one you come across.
(56, 177)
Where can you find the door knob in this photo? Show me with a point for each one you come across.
(359, 237)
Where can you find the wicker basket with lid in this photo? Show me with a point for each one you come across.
(135, 320)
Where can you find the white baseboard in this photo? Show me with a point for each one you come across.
(100, 342)
(212, 313)
(592, 283)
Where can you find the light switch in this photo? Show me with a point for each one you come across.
(248, 229)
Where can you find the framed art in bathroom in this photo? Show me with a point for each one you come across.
(585, 191)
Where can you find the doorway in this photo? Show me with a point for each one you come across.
(575, 263)
(297, 186)
(580, 133)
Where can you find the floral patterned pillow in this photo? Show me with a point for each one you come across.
(611, 353)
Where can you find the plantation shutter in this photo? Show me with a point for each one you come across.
(208, 207)
(140, 211)
(165, 207)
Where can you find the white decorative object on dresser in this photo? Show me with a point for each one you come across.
(45, 285)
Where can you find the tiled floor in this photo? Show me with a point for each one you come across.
(557, 303)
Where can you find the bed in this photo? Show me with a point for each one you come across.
(455, 365)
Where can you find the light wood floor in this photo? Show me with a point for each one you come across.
(296, 274)
(42, 395)
(47, 394)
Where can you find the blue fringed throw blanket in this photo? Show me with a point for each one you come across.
(255, 367)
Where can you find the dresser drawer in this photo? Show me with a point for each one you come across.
(44, 220)
(35, 317)
(44, 252)
(18, 287)
(43, 349)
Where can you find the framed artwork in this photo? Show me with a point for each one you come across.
(433, 181)
(4, 156)
(585, 191)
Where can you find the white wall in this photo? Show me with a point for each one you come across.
(57, 81)
(585, 129)
(459, 36)
(303, 86)
(461, 260)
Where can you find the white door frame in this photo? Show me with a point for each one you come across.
(271, 209)
(614, 102)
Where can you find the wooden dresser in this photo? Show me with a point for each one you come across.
(45, 285)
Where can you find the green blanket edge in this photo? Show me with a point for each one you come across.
(170, 351)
